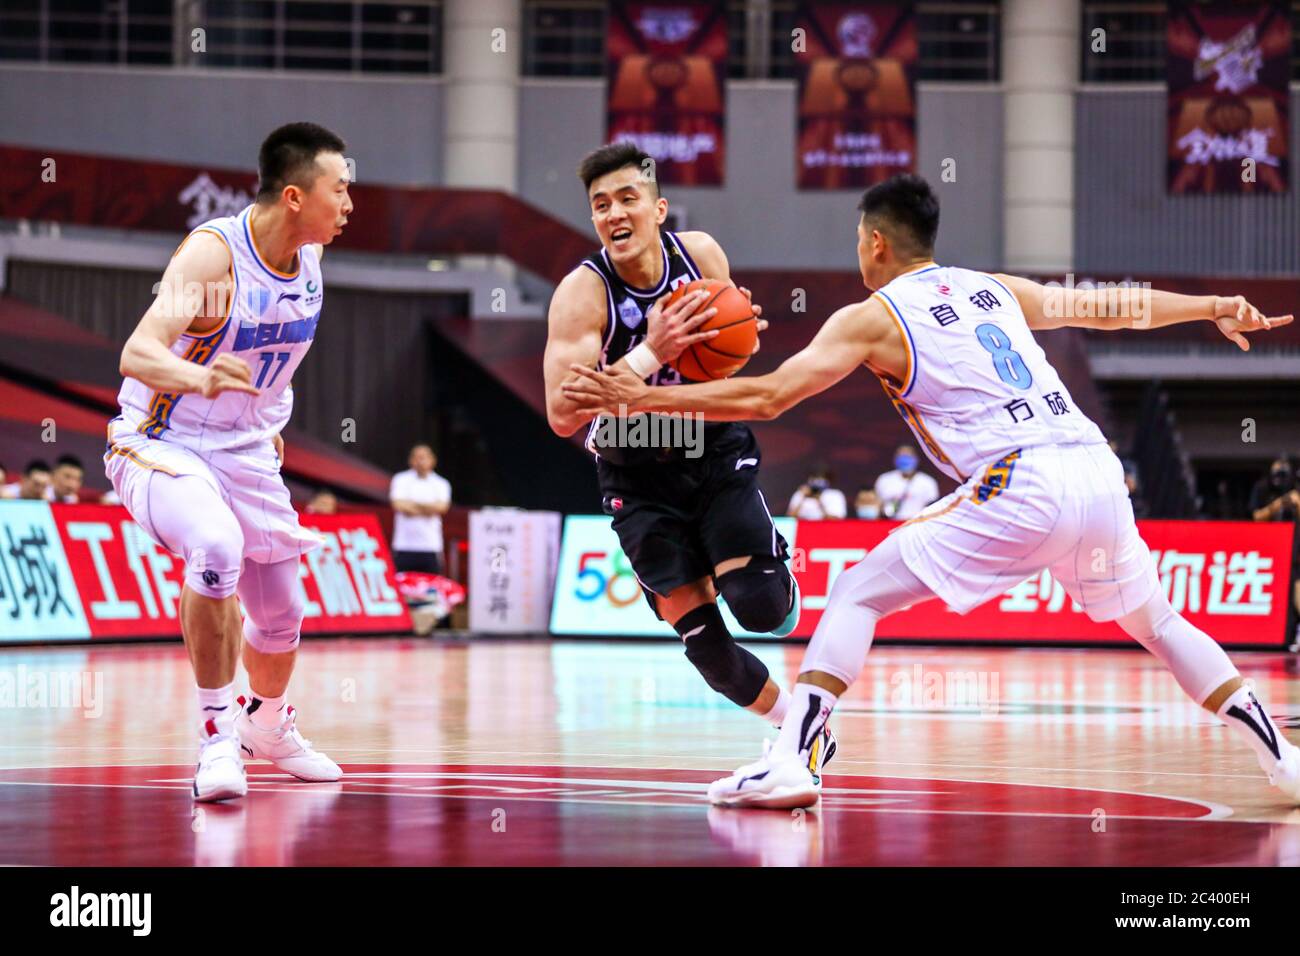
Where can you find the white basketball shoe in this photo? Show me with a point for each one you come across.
(1285, 773)
(777, 784)
(220, 773)
(285, 747)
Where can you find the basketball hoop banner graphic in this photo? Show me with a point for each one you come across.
(666, 67)
(857, 93)
(1229, 65)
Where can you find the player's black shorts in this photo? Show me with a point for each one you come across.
(676, 521)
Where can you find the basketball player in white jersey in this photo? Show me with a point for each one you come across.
(1040, 488)
(195, 453)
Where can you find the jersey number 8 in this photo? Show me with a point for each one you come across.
(1007, 362)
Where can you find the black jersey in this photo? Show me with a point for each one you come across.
(625, 329)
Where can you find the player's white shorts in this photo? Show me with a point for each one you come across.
(1063, 507)
(247, 479)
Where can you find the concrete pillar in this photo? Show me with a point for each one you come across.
(1040, 70)
(482, 92)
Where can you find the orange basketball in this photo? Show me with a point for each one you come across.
(727, 352)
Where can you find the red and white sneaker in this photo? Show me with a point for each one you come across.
(284, 747)
(220, 773)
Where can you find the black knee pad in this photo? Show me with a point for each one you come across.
(727, 667)
(759, 594)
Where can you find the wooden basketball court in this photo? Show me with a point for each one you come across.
(491, 752)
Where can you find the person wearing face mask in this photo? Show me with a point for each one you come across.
(904, 492)
(866, 504)
(816, 499)
(1274, 497)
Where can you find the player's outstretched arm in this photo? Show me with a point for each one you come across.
(576, 322)
(841, 345)
(197, 269)
(1136, 307)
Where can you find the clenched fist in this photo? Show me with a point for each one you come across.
(228, 373)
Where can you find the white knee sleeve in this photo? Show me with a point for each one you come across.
(1197, 662)
(273, 605)
(188, 517)
(877, 585)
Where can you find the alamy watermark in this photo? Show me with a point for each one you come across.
(645, 430)
(1127, 299)
(31, 688)
(921, 688)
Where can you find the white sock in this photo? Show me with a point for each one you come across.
(1250, 721)
(810, 708)
(776, 716)
(217, 704)
(266, 712)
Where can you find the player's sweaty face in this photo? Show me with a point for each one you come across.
(625, 212)
(327, 205)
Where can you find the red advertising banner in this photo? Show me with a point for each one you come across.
(1231, 579)
(1229, 66)
(130, 587)
(667, 66)
(857, 93)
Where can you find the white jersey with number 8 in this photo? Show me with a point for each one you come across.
(978, 386)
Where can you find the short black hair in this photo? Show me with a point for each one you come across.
(72, 460)
(289, 154)
(907, 208)
(36, 464)
(613, 157)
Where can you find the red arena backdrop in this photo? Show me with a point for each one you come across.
(70, 572)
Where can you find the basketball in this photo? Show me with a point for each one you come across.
(727, 352)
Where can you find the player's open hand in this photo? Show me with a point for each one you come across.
(228, 373)
(1235, 316)
(612, 391)
(671, 326)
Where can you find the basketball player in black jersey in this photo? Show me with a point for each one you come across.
(692, 519)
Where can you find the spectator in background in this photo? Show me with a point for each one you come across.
(3, 485)
(420, 496)
(866, 504)
(34, 485)
(816, 499)
(323, 502)
(904, 492)
(66, 479)
(1274, 497)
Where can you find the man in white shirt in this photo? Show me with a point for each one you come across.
(420, 497)
(816, 499)
(904, 492)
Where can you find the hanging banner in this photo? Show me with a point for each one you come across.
(857, 93)
(1229, 66)
(667, 65)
